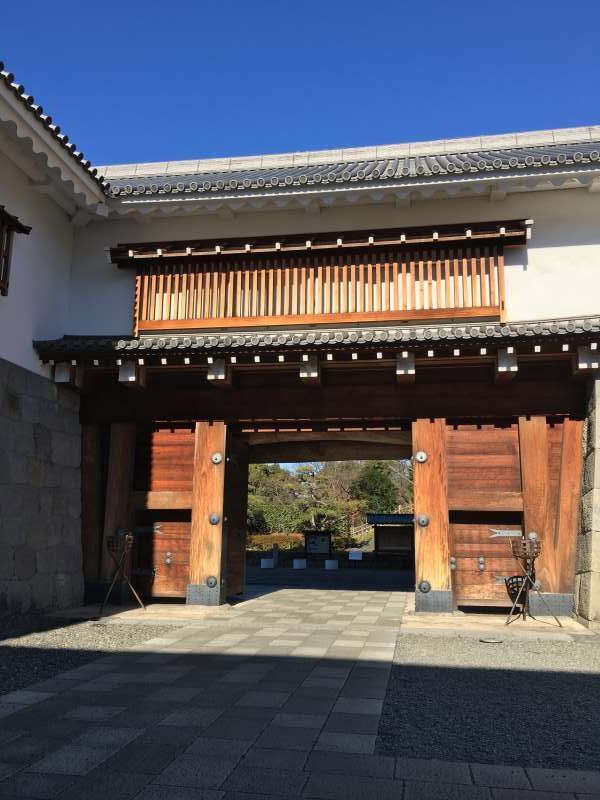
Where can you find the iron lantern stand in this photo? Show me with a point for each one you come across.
(119, 547)
(525, 550)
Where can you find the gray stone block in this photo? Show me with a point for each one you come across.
(200, 772)
(498, 775)
(549, 603)
(24, 562)
(421, 769)
(202, 595)
(434, 601)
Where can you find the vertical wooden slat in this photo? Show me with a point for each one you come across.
(344, 285)
(569, 490)
(491, 259)
(421, 282)
(432, 556)
(447, 283)
(473, 267)
(310, 286)
(222, 289)
(413, 280)
(302, 287)
(501, 299)
(353, 290)
(483, 284)
(463, 256)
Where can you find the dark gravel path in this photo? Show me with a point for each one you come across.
(526, 703)
(35, 647)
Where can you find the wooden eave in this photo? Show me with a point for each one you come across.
(510, 233)
(13, 223)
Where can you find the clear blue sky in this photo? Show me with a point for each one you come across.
(144, 81)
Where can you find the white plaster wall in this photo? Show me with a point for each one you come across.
(36, 306)
(558, 275)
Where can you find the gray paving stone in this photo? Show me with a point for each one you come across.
(218, 748)
(287, 720)
(263, 699)
(444, 791)
(501, 776)
(352, 723)
(358, 705)
(346, 742)
(175, 793)
(269, 758)
(72, 760)
(144, 757)
(201, 772)
(524, 794)
(564, 780)
(372, 766)
(268, 781)
(308, 705)
(171, 735)
(342, 787)
(7, 769)
(198, 717)
(26, 749)
(25, 697)
(101, 784)
(421, 769)
(31, 785)
(94, 713)
(108, 737)
(274, 736)
(175, 694)
(229, 726)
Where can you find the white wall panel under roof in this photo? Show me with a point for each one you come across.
(558, 275)
(37, 302)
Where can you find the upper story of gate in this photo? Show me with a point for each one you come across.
(492, 229)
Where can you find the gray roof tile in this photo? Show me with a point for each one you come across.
(73, 346)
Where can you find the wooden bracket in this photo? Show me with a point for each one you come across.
(506, 364)
(310, 370)
(68, 374)
(219, 373)
(132, 374)
(586, 361)
(405, 367)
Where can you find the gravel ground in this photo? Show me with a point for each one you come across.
(35, 647)
(527, 703)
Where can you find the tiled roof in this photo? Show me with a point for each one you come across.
(351, 174)
(413, 336)
(8, 79)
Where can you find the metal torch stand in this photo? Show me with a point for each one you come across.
(526, 551)
(119, 548)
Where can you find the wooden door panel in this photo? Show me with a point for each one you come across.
(471, 538)
(162, 556)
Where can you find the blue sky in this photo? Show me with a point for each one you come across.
(146, 81)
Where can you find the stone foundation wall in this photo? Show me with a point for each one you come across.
(587, 568)
(40, 493)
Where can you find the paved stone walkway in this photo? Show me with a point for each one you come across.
(279, 697)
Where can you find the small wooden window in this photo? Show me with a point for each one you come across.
(8, 226)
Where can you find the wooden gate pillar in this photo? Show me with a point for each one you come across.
(208, 544)
(551, 510)
(432, 528)
(119, 486)
(236, 512)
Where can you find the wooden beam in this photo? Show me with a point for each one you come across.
(569, 493)
(469, 500)
(535, 478)
(432, 556)
(208, 548)
(586, 362)
(119, 484)
(162, 500)
(91, 501)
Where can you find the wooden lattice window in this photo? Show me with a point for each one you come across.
(8, 226)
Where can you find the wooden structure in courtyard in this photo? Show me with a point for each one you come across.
(386, 344)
